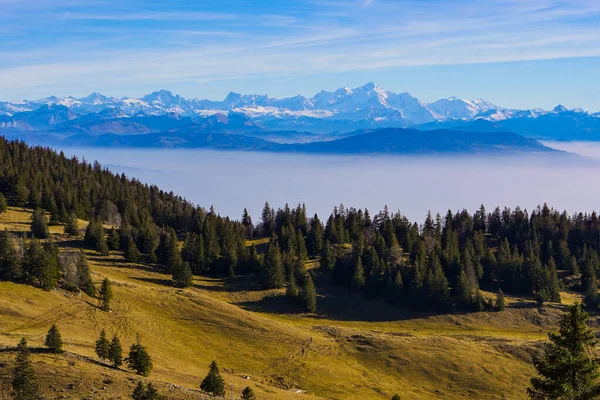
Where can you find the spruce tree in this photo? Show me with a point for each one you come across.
(396, 397)
(114, 240)
(20, 194)
(143, 392)
(139, 393)
(106, 295)
(358, 276)
(152, 393)
(463, 294)
(315, 237)
(308, 295)
(213, 383)
(573, 266)
(10, 263)
(103, 346)
(248, 394)
(328, 257)
(139, 360)
(291, 290)
(182, 275)
(53, 340)
(500, 302)
(72, 224)
(567, 370)
(39, 224)
(115, 352)
(102, 246)
(3, 205)
(40, 265)
(132, 254)
(84, 278)
(24, 382)
(273, 273)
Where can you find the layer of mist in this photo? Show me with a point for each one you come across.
(413, 185)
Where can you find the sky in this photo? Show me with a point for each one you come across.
(515, 53)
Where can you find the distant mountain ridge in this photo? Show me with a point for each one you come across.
(368, 100)
(325, 116)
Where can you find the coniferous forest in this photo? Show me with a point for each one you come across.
(439, 264)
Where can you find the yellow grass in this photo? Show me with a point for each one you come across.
(352, 349)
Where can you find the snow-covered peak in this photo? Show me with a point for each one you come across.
(559, 109)
(456, 108)
(95, 98)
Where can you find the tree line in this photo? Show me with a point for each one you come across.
(441, 263)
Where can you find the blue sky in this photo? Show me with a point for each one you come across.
(516, 53)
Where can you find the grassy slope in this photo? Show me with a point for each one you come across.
(352, 349)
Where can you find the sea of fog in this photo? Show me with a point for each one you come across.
(233, 180)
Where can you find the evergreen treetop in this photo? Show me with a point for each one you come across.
(213, 383)
(54, 340)
(567, 370)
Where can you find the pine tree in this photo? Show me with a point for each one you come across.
(106, 295)
(315, 237)
(3, 205)
(358, 276)
(396, 397)
(39, 224)
(248, 394)
(139, 393)
(573, 266)
(500, 302)
(168, 250)
(273, 272)
(40, 264)
(308, 294)
(567, 371)
(182, 275)
(152, 393)
(10, 263)
(72, 224)
(463, 290)
(114, 240)
(84, 278)
(102, 246)
(103, 346)
(115, 352)
(20, 194)
(54, 340)
(291, 290)
(132, 254)
(24, 382)
(139, 360)
(213, 383)
(328, 257)
(142, 392)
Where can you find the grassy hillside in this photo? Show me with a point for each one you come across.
(351, 349)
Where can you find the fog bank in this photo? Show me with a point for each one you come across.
(233, 180)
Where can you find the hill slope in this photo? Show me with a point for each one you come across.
(346, 351)
(411, 141)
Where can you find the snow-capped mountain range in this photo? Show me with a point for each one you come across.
(365, 102)
(341, 111)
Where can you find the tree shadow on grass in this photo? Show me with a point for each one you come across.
(239, 283)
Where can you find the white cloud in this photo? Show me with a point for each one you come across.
(157, 48)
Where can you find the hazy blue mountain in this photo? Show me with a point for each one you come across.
(327, 115)
(412, 141)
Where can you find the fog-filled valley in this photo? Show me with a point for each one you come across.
(232, 181)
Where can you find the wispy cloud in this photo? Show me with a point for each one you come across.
(108, 43)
